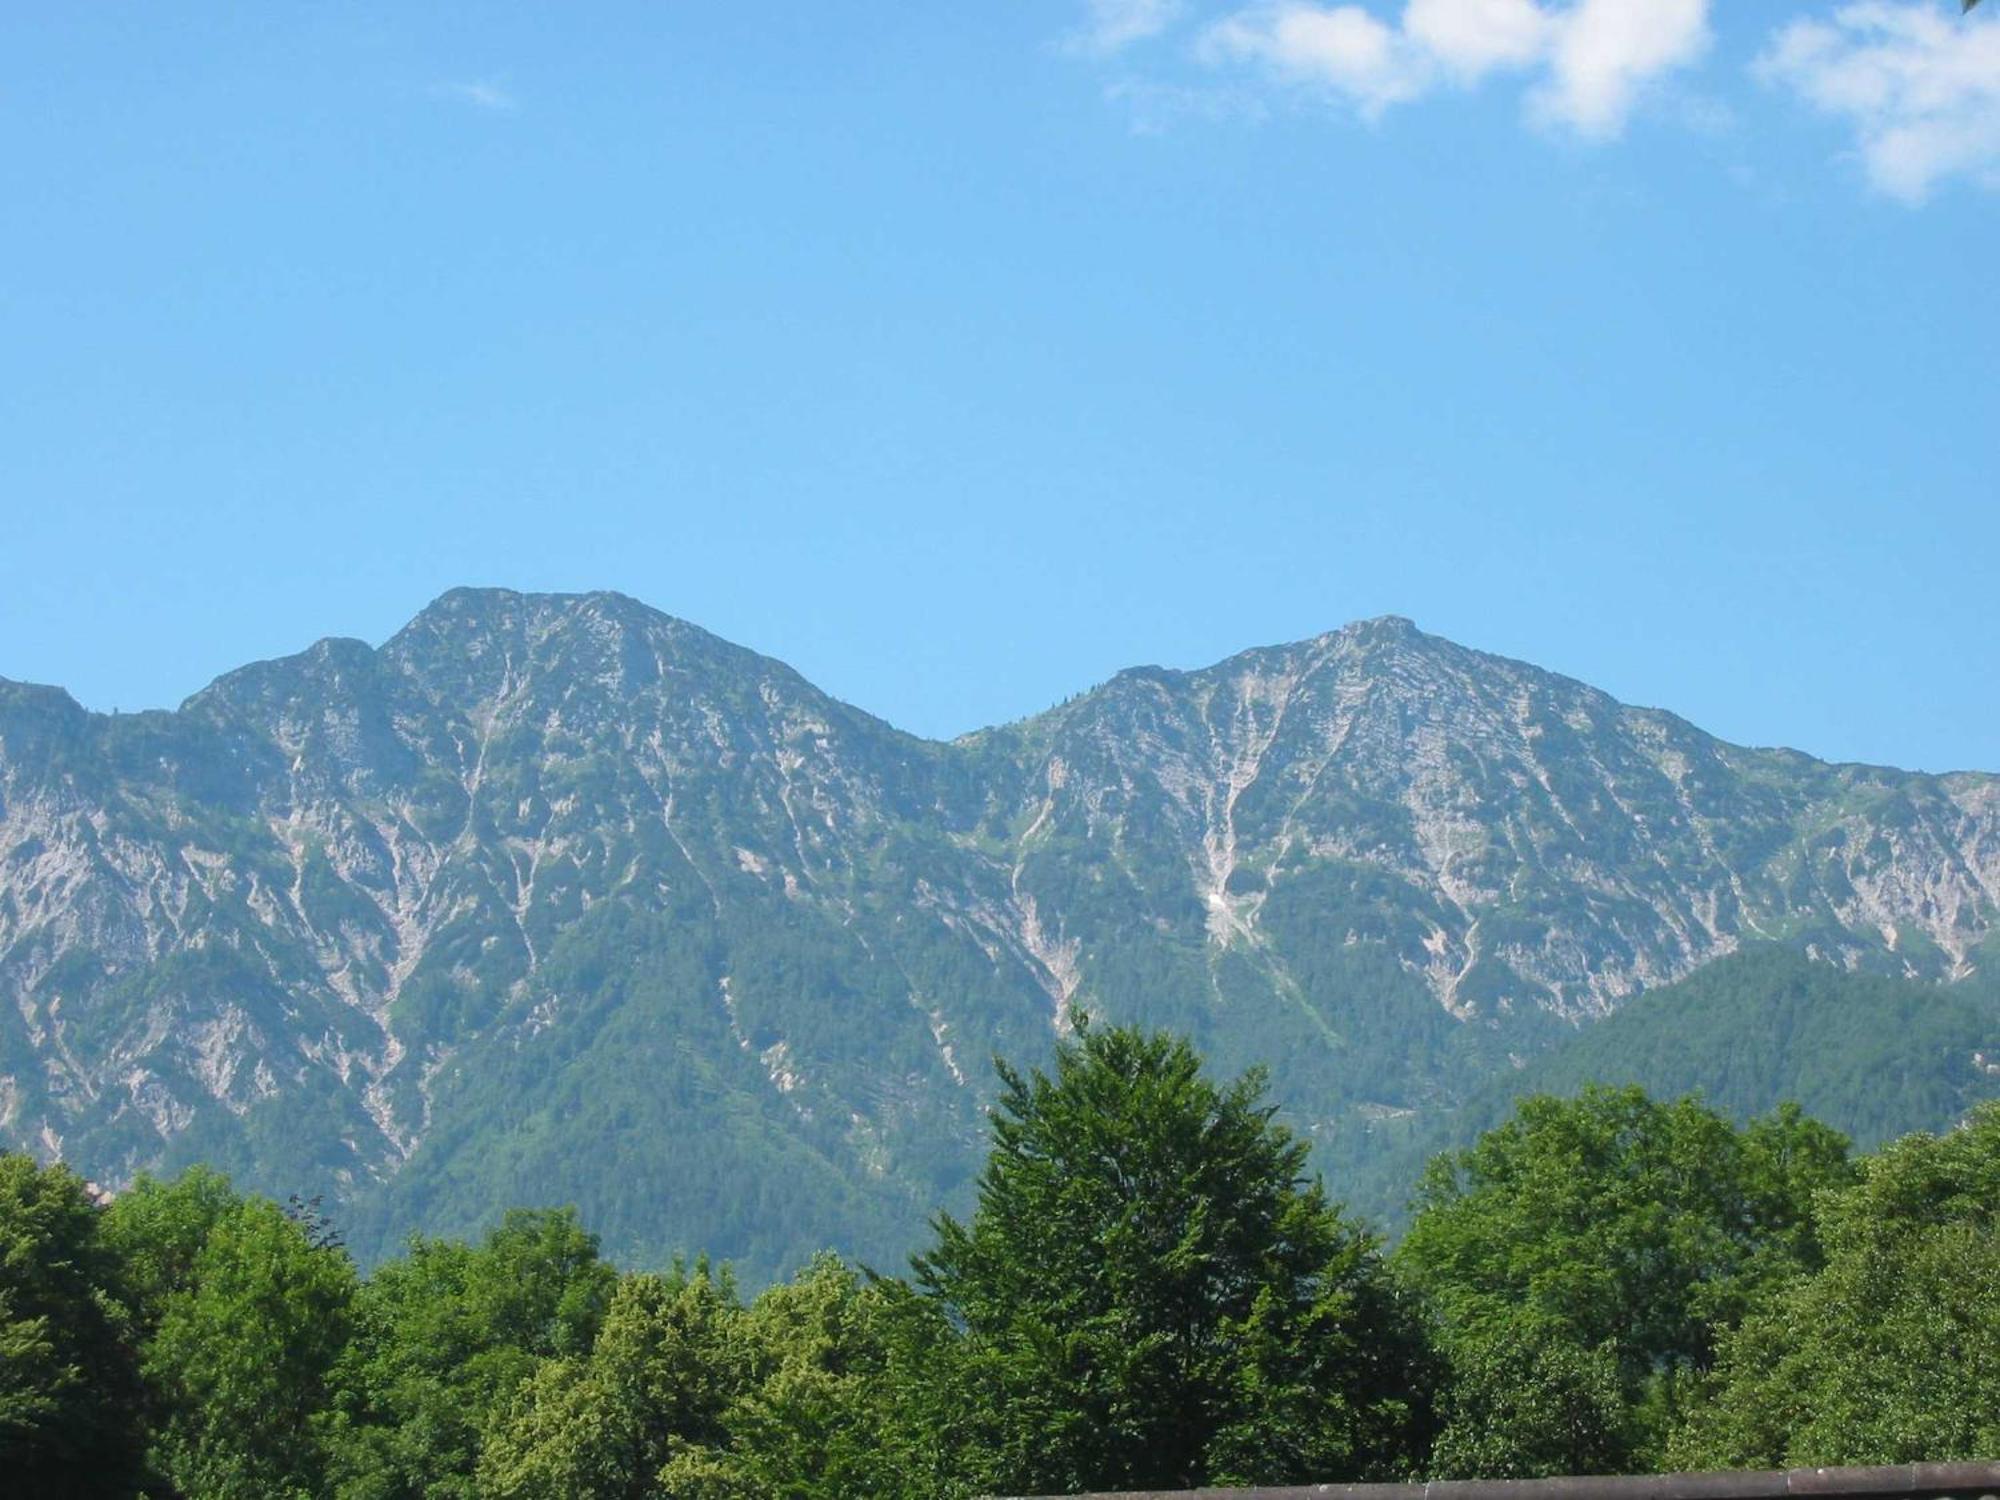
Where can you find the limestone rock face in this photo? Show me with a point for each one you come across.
(556, 898)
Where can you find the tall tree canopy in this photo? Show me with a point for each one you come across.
(649, 1397)
(1154, 1292)
(1621, 1231)
(443, 1336)
(1891, 1352)
(68, 1382)
(242, 1356)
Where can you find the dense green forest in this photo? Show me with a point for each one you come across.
(1872, 1055)
(1151, 1290)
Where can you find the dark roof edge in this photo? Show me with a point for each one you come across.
(1975, 1481)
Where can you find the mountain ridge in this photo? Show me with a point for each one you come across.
(1392, 622)
(360, 918)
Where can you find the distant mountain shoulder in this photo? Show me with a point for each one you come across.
(555, 898)
(1873, 1055)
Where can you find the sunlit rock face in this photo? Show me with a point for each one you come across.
(559, 899)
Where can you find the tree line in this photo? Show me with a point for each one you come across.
(1152, 1291)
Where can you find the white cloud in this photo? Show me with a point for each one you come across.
(1594, 58)
(1342, 47)
(482, 93)
(1607, 51)
(1113, 25)
(1472, 37)
(1919, 88)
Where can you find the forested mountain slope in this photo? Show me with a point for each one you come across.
(558, 899)
(1873, 1055)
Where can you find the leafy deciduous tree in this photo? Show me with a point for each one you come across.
(1526, 1401)
(444, 1336)
(68, 1380)
(241, 1358)
(1619, 1227)
(649, 1395)
(1153, 1292)
(1891, 1353)
(839, 1400)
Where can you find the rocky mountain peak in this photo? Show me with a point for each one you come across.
(352, 918)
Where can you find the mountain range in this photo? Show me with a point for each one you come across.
(555, 898)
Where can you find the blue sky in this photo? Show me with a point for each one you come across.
(963, 355)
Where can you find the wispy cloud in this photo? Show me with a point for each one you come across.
(1339, 47)
(1590, 61)
(1920, 89)
(1915, 81)
(1113, 25)
(480, 93)
(1157, 107)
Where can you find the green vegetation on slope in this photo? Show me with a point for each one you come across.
(1872, 1055)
